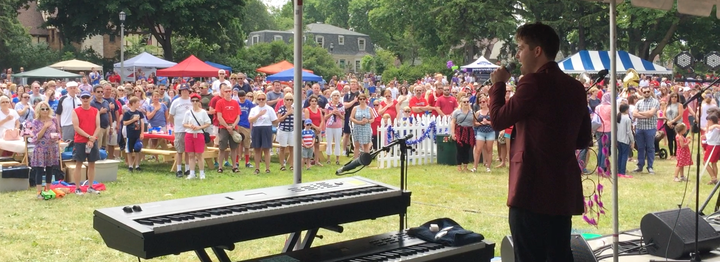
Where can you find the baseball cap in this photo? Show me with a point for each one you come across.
(184, 87)
(85, 93)
(71, 84)
(221, 71)
(195, 96)
(308, 122)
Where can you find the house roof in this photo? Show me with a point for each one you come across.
(32, 19)
(273, 31)
(329, 29)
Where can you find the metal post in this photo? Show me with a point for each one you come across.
(122, 47)
(613, 134)
(297, 92)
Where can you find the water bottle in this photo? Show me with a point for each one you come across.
(87, 149)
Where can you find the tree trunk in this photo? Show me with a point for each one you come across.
(666, 39)
(167, 46)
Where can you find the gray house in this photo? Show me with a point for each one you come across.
(346, 46)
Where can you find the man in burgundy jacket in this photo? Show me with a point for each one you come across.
(549, 112)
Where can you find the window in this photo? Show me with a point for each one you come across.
(341, 40)
(277, 37)
(357, 65)
(320, 41)
(342, 63)
(361, 44)
(255, 39)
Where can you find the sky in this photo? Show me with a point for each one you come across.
(275, 3)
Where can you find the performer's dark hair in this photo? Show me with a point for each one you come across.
(539, 34)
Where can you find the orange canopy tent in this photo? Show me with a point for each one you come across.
(278, 67)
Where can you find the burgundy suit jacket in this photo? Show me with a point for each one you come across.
(549, 111)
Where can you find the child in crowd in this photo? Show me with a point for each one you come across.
(683, 151)
(712, 151)
(134, 126)
(308, 141)
(625, 139)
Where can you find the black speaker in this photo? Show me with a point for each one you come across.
(580, 249)
(662, 241)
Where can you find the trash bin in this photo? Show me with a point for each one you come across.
(446, 150)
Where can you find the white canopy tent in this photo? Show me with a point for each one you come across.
(481, 64)
(146, 62)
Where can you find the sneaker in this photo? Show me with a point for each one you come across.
(651, 171)
(624, 176)
(130, 169)
(187, 173)
(78, 192)
(138, 169)
(39, 196)
(92, 190)
(202, 176)
(487, 169)
(682, 178)
(191, 176)
(227, 164)
(677, 179)
(248, 165)
(179, 174)
(637, 170)
(216, 165)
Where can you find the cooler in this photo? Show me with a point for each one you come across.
(16, 178)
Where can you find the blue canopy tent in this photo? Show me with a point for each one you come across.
(593, 61)
(219, 66)
(289, 74)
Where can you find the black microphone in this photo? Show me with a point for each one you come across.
(363, 160)
(602, 74)
(508, 68)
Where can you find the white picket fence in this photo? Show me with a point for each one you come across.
(423, 152)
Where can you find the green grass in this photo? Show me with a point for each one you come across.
(61, 230)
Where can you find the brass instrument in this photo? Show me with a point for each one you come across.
(631, 79)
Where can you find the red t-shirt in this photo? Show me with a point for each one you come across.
(213, 103)
(417, 102)
(114, 78)
(230, 110)
(392, 110)
(87, 118)
(447, 104)
(432, 100)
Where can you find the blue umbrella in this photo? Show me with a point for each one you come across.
(289, 74)
(219, 66)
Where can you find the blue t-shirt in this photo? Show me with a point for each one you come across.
(162, 80)
(53, 104)
(245, 109)
(158, 119)
(372, 89)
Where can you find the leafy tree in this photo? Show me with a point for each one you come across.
(256, 17)
(315, 58)
(210, 20)
(367, 63)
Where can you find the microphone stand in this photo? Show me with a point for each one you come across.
(695, 256)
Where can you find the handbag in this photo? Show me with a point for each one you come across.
(596, 122)
(11, 135)
(206, 134)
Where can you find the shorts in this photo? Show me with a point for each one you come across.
(194, 143)
(103, 137)
(112, 139)
(307, 152)
(712, 154)
(68, 133)
(225, 139)
(262, 137)
(130, 144)
(346, 125)
(484, 136)
(285, 138)
(180, 142)
(80, 155)
(245, 132)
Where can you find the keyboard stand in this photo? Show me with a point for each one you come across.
(219, 253)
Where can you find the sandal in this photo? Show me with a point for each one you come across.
(337, 162)
(235, 170)
(267, 171)
(291, 168)
(712, 182)
(473, 170)
(282, 168)
(220, 170)
(257, 171)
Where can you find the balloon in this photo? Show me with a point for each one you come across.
(449, 64)
(455, 67)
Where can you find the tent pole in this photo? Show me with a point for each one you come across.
(613, 120)
(297, 92)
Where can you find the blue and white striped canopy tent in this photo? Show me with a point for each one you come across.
(593, 61)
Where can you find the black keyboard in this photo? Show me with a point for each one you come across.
(387, 247)
(170, 227)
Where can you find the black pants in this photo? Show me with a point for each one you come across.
(463, 153)
(539, 237)
(43, 171)
(670, 132)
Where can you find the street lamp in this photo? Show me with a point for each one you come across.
(122, 46)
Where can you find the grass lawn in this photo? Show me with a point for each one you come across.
(61, 230)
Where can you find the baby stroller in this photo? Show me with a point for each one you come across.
(659, 135)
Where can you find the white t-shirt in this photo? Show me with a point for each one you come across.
(178, 109)
(713, 137)
(201, 116)
(67, 108)
(216, 85)
(266, 119)
(9, 124)
(394, 92)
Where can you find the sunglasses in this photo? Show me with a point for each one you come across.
(465, 102)
(407, 111)
(646, 92)
(233, 78)
(99, 92)
(261, 99)
(483, 102)
(85, 97)
(362, 99)
(195, 101)
(376, 104)
(44, 109)
(162, 89)
(291, 100)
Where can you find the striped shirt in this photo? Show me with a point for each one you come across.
(287, 124)
(307, 137)
(645, 105)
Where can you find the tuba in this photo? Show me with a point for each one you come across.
(585, 79)
(631, 79)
